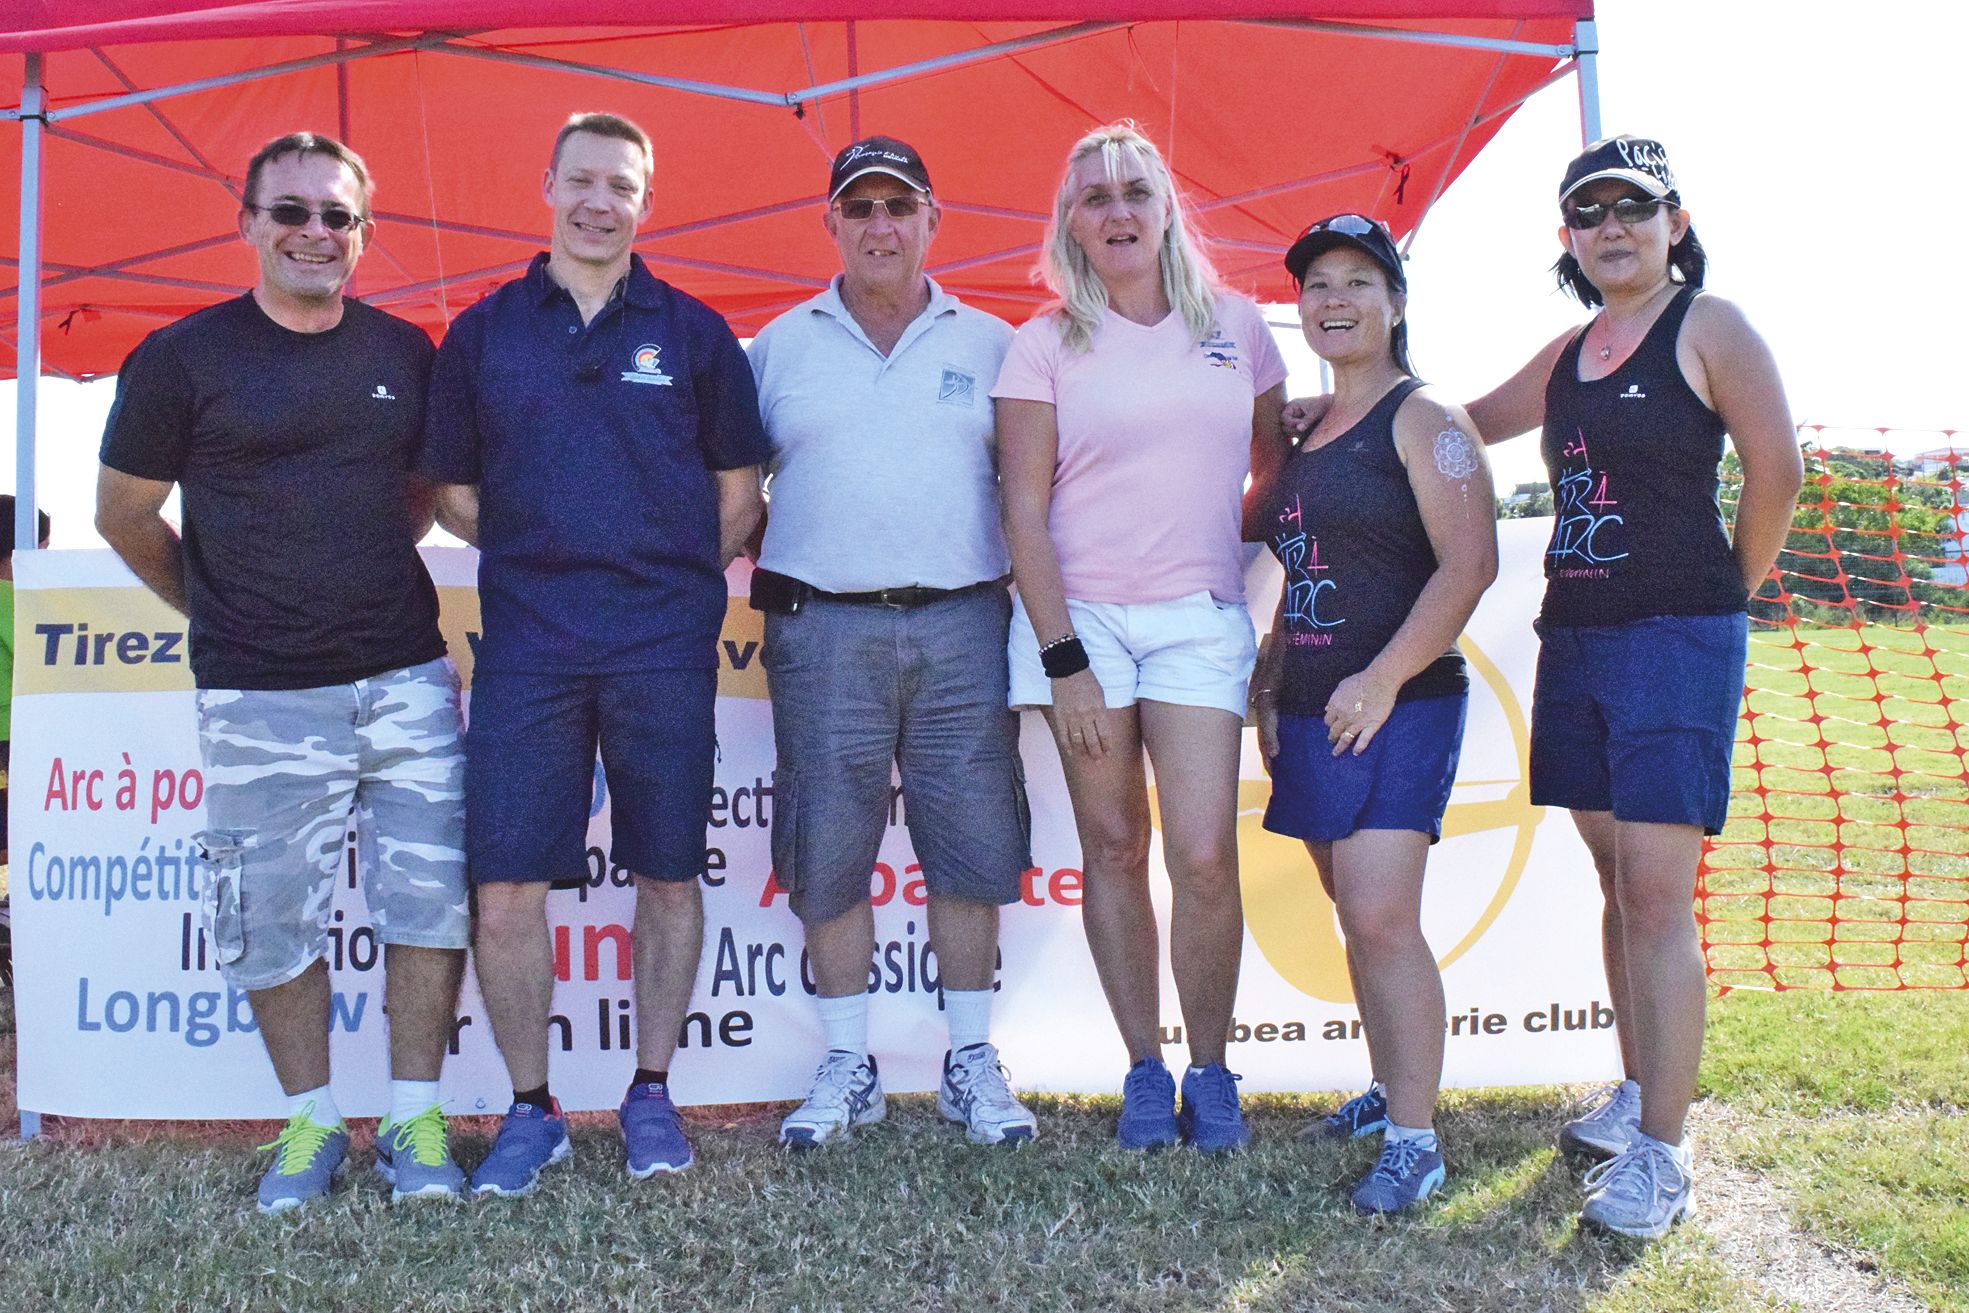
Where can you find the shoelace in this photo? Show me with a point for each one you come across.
(1217, 1092)
(423, 1135)
(1399, 1159)
(1612, 1101)
(833, 1081)
(1135, 1084)
(1634, 1175)
(1354, 1111)
(986, 1081)
(299, 1141)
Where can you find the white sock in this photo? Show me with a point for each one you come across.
(844, 1021)
(1423, 1135)
(969, 1013)
(408, 1098)
(324, 1110)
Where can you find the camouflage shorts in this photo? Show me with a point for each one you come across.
(284, 769)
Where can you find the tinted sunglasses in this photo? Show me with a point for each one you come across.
(291, 214)
(863, 207)
(1628, 209)
(1348, 225)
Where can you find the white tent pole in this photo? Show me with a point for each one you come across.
(1586, 40)
(1503, 45)
(27, 346)
(27, 332)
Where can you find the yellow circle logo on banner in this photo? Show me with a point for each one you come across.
(1289, 915)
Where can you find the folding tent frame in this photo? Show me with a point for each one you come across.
(38, 121)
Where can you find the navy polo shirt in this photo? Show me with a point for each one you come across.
(594, 448)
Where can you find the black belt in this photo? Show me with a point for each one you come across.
(772, 591)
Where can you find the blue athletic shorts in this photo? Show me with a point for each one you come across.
(1401, 782)
(530, 772)
(1639, 718)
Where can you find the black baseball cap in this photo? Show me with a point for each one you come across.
(898, 159)
(1635, 160)
(1356, 230)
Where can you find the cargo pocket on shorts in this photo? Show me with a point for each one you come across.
(786, 827)
(224, 852)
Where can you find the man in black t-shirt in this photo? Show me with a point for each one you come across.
(288, 417)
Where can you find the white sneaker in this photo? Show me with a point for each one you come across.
(1609, 1128)
(847, 1093)
(1641, 1192)
(975, 1094)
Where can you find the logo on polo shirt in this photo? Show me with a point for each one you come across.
(1633, 393)
(958, 388)
(382, 393)
(648, 362)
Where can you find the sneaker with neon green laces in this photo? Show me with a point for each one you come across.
(307, 1157)
(414, 1156)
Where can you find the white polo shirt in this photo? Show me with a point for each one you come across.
(883, 472)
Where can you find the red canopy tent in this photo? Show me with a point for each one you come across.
(133, 119)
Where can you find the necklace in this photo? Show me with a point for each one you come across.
(1606, 351)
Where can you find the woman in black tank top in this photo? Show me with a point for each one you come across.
(1641, 663)
(1382, 521)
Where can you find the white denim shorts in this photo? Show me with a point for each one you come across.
(1193, 651)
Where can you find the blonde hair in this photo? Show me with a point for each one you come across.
(1188, 279)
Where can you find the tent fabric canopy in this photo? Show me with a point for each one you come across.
(1271, 118)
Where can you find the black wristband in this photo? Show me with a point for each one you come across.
(1063, 657)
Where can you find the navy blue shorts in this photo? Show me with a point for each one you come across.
(1401, 782)
(1639, 718)
(530, 772)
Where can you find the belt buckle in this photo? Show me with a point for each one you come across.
(896, 599)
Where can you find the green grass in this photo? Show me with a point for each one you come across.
(1850, 1103)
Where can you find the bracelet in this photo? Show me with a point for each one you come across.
(1063, 656)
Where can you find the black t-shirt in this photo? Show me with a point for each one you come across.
(291, 450)
(1632, 458)
(1343, 522)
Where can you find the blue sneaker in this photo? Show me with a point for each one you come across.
(1148, 1107)
(307, 1157)
(652, 1132)
(1364, 1114)
(1407, 1173)
(414, 1156)
(530, 1138)
(1210, 1119)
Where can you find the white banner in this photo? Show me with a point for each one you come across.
(122, 1013)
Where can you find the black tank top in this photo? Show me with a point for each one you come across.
(1633, 458)
(1342, 521)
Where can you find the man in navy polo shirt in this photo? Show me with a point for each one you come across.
(596, 433)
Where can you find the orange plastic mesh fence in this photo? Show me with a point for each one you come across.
(1845, 864)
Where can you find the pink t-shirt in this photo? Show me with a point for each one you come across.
(1155, 444)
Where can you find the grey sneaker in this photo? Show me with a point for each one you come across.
(847, 1093)
(975, 1095)
(1639, 1193)
(414, 1156)
(1608, 1128)
(307, 1159)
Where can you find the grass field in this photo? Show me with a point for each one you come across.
(1849, 1107)
(1831, 1135)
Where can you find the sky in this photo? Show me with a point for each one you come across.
(1819, 150)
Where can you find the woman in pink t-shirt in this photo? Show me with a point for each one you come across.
(1126, 415)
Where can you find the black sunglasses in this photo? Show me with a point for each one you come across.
(863, 207)
(292, 214)
(1628, 209)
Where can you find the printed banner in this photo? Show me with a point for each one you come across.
(114, 975)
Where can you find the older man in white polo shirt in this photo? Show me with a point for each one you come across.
(882, 577)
